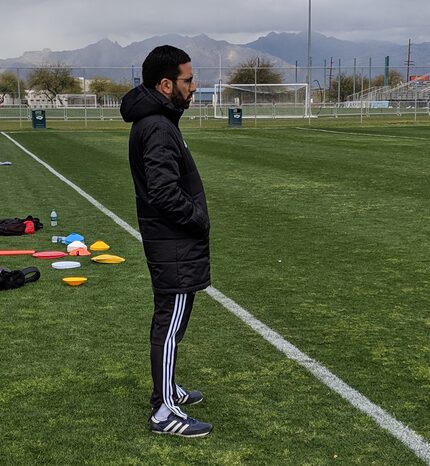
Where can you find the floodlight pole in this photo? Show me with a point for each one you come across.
(361, 96)
(255, 91)
(309, 59)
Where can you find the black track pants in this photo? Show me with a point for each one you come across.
(169, 322)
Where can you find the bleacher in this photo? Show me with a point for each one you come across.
(414, 90)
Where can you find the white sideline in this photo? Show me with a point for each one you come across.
(407, 436)
(361, 134)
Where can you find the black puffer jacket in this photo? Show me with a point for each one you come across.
(171, 203)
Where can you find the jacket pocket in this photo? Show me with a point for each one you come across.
(191, 183)
(160, 250)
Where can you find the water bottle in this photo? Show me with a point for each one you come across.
(54, 218)
(58, 239)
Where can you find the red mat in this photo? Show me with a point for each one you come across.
(16, 252)
(49, 254)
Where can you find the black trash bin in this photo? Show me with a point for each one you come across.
(234, 116)
(38, 118)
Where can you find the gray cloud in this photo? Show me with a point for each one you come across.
(62, 24)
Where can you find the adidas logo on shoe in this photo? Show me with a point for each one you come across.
(190, 398)
(175, 425)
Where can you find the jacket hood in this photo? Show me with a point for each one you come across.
(141, 102)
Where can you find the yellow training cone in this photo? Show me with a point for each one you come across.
(75, 281)
(108, 259)
(99, 246)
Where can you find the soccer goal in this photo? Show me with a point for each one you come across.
(76, 100)
(262, 100)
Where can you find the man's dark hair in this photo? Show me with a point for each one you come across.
(163, 62)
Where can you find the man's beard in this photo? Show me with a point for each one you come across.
(178, 99)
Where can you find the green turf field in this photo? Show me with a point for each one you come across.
(321, 232)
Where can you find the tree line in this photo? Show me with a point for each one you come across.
(52, 80)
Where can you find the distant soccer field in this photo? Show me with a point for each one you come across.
(321, 232)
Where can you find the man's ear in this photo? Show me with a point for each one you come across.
(165, 87)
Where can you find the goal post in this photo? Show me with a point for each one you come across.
(263, 100)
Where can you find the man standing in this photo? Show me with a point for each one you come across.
(174, 224)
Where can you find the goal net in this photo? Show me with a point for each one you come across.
(76, 100)
(262, 100)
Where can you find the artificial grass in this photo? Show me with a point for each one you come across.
(340, 214)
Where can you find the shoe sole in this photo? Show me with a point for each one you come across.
(182, 435)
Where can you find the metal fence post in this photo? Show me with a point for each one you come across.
(85, 99)
(19, 97)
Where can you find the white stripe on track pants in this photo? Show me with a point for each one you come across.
(169, 322)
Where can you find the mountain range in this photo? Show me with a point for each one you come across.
(108, 58)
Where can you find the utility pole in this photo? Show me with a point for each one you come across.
(325, 79)
(387, 71)
(408, 62)
(330, 75)
(353, 80)
(370, 73)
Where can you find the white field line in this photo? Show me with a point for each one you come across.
(361, 134)
(71, 131)
(407, 436)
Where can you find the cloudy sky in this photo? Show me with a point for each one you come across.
(69, 24)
